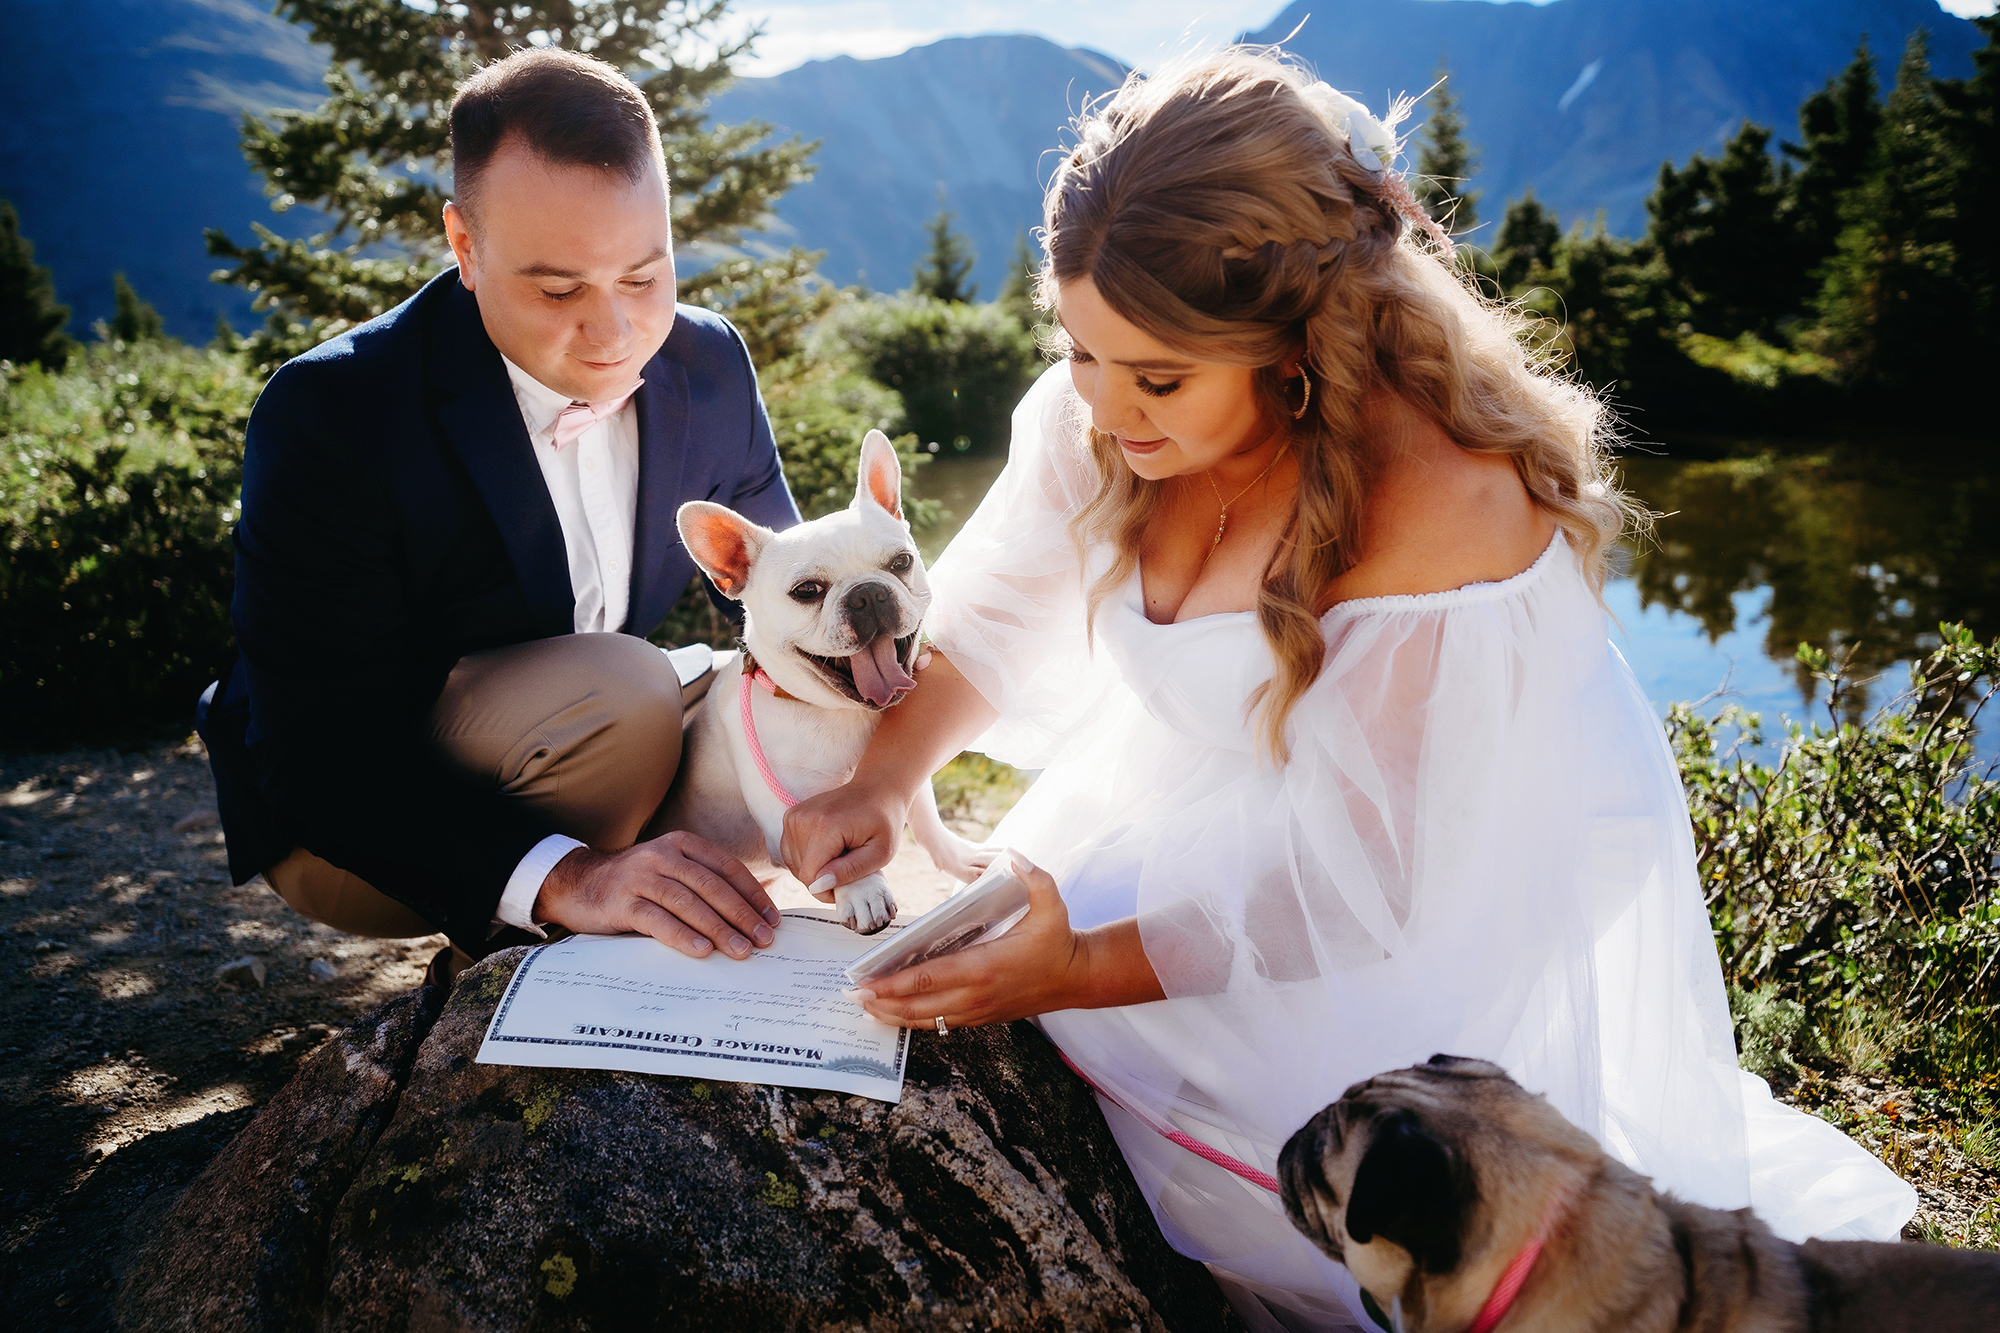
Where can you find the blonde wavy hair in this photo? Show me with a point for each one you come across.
(1214, 208)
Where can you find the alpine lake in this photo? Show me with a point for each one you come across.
(1859, 545)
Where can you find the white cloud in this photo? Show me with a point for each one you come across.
(1967, 9)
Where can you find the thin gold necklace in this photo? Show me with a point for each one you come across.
(1222, 520)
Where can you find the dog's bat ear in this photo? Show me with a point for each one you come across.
(1410, 1189)
(723, 543)
(881, 477)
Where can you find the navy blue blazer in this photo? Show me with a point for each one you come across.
(394, 520)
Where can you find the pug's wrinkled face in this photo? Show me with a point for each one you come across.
(1424, 1181)
(831, 607)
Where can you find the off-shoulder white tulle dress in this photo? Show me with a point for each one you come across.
(1479, 846)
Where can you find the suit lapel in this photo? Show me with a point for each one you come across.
(481, 419)
(663, 427)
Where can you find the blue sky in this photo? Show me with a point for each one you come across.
(1140, 32)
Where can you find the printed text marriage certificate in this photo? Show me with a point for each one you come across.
(630, 1002)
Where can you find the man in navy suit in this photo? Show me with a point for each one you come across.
(458, 528)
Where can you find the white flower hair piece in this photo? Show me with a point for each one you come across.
(1371, 143)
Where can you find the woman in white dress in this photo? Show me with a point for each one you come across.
(1290, 588)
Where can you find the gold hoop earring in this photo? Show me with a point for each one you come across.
(1304, 403)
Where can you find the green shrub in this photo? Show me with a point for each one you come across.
(1856, 876)
(1773, 1035)
(119, 482)
(820, 409)
(959, 368)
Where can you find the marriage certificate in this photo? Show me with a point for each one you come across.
(630, 1002)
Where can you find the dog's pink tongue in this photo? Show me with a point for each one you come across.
(877, 673)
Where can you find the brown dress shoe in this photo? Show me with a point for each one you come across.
(445, 966)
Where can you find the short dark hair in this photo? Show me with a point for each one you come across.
(569, 109)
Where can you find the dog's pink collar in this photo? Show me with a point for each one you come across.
(1515, 1275)
(751, 670)
(1512, 1278)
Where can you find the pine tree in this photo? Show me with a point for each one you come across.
(1527, 241)
(135, 319)
(1723, 229)
(942, 272)
(1445, 161)
(1892, 310)
(1837, 130)
(1017, 293)
(31, 319)
(375, 157)
(1970, 114)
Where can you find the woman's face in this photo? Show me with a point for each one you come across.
(1173, 417)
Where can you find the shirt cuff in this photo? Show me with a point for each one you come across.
(517, 903)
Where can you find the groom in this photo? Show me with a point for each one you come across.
(457, 530)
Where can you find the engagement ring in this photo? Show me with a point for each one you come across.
(942, 1029)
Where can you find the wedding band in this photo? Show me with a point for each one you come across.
(942, 1029)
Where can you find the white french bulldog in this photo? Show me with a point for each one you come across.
(831, 611)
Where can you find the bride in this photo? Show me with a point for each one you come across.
(1290, 587)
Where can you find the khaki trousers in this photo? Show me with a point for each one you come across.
(584, 730)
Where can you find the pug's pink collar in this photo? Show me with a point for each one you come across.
(1515, 1275)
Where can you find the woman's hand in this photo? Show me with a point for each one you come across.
(841, 835)
(1038, 967)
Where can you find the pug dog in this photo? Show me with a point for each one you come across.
(831, 615)
(1432, 1185)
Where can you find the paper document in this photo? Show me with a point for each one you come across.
(630, 1002)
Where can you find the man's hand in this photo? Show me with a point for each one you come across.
(684, 891)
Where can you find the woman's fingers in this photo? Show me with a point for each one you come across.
(1029, 970)
(1041, 884)
(837, 833)
(961, 1006)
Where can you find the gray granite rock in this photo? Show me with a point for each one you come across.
(245, 1245)
(501, 1198)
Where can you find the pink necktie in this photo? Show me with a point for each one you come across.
(577, 418)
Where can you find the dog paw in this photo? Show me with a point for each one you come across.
(966, 862)
(865, 905)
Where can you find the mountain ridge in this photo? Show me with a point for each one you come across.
(984, 153)
(1583, 99)
(118, 125)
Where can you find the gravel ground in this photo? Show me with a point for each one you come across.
(130, 1060)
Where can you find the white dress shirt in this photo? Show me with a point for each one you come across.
(594, 483)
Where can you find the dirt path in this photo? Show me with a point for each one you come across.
(128, 1063)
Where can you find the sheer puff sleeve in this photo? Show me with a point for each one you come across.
(1008, 595)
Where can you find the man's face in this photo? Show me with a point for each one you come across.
(573, 268)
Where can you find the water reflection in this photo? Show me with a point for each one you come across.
(1860, 546)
